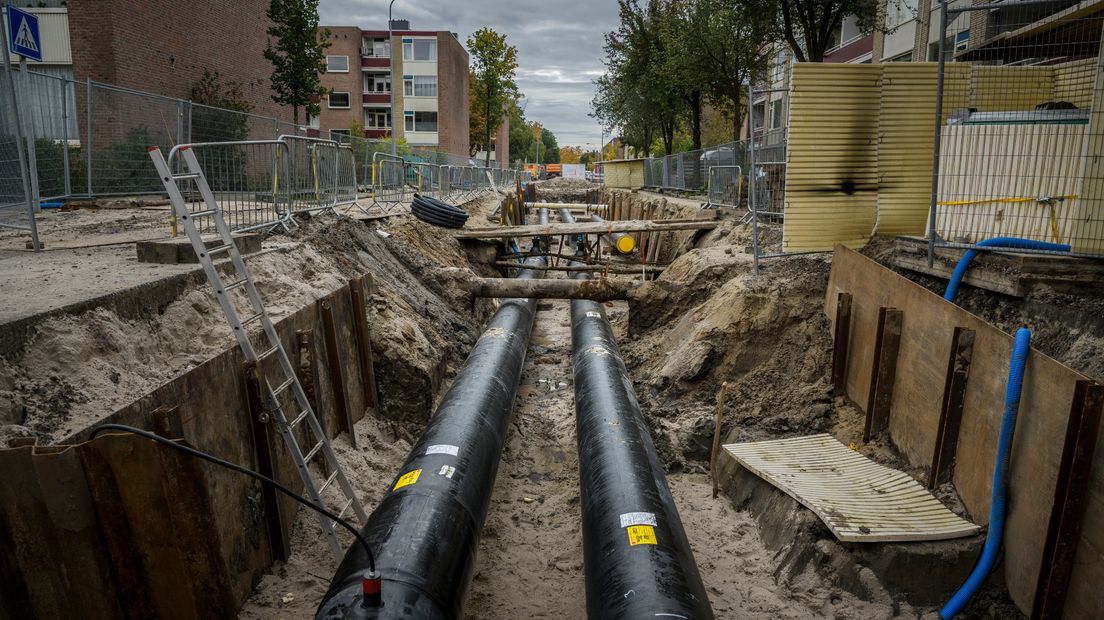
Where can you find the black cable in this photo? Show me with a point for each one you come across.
(242, 470)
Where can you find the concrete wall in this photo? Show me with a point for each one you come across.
(163, 46)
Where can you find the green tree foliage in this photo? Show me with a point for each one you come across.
(210, 121)
(809, 26)
(550, 148)
(296, 49)
(494, 66)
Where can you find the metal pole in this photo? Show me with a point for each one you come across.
(24, 171)
(751, 181)
(65, 143)
(938, 131)
(32, 164)
(87, 148)
(391, 71)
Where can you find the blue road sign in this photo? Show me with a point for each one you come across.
(23, 37)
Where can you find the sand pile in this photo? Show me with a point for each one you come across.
(766, 337)
(79, 368)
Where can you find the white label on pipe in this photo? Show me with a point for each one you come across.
(638, 518)
(594, 315)
(443, 449)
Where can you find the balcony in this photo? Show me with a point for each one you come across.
(374, 62)
(376, 98)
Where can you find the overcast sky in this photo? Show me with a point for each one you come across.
(559, 47)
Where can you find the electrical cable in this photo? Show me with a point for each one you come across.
(242, 470)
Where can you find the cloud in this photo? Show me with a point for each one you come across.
(559, 47)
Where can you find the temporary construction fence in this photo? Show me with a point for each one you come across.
(89, 140)
(1018, 129)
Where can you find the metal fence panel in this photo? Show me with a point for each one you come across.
(1017, 140)
(17, 204)
(250, 181)
(312, 168)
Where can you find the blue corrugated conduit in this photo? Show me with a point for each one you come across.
(1011, 243)
(997, 507)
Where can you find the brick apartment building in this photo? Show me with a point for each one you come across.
(431, 95)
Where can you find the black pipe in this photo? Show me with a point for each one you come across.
(426, 530)
(636, 558)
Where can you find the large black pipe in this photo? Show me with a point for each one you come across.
(426, 530)
(636, 558)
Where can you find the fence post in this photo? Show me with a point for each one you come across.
(752, 206)
(88, 131)
(65, 146)
(938, 138)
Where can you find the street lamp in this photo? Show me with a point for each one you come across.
(391, 71)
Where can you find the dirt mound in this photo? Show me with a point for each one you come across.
(766, 337)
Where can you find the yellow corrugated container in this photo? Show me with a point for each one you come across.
(624, 173)
(832, 167)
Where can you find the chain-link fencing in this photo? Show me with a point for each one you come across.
(1017, 140)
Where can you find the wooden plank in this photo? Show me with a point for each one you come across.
(841, 339)
(337, 378)
(587, 228)
(950, 417)
(277, 521)
(1040, 431)
(1070, 497)
(858, 499)
(358, 297)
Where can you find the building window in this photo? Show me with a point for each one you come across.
(420, 49)
(899, 11)
(376, 48)
(377, 119)
(339, 101)
(337, 64)
(421, 121)
(339, 132)
(377, 83)
(420, 85)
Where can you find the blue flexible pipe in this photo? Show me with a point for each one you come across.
(996, 242)
(997, 507)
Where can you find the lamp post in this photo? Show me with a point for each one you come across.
(391, 71)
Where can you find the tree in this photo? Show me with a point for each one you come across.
(297, 55)
(570, 154)
(494, 64)
(210, 121)
(550, 148)
(639, 95)
(722, 45)
(809, 25)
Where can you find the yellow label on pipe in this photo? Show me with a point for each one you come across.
(625, 244)
(641, 535)
(407, 479)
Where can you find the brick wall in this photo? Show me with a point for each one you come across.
(344, 41)
(452, 95)
(163, 46)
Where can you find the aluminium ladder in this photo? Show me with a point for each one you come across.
(289, 382)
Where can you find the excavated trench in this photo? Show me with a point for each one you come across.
(758, 556)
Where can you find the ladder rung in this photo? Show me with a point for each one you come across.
(186, 175)
(235, 285)
(345, 507)
(310, 455)
(283, 386)
(329, 480)
(204, 213)
(219, 249)
(299, 418)
(265, 355)
(252, 319)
